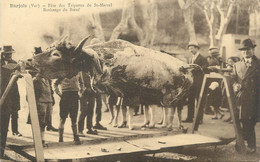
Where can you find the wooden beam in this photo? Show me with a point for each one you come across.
(240, 145)
(34, 118)
(195, 124)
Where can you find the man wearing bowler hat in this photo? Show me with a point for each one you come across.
(12, 102)
(247, 76)
(193, 95)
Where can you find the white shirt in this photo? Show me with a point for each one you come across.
(248, 61)
(194, 57)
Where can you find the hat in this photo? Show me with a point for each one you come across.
(246, 44)
(213, 85)
(8, 49)
(195, 44)
(213, 50)
(37, 50)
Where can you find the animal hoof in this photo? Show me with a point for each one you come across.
(160, 122)
(131, 128)
(146, 124)
(152, 126)
(115, 125)
(111, 120)
(164, 125)
(170, 127)
(123, 125)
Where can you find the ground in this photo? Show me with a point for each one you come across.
(213, 128)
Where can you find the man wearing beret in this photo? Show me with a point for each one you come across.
(193, 95)
(247, 76)
(12, 102)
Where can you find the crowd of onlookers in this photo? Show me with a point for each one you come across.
(243, 74)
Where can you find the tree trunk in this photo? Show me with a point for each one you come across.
(97, 27)
(128, 17)
(212, 25)
(225, 16)
(188, 13)
(150, 15)
(216, 35)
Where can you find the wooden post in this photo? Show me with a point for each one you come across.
(240, 145)
(195, 124)
(34, 118)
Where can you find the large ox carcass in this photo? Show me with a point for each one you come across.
(142, 75)
(139, 75)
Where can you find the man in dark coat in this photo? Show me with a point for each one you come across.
(247, 73)
(12, 103)
(193, 95)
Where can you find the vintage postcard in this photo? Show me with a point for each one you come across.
(130, 80)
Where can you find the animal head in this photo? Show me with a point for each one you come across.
(63, 59)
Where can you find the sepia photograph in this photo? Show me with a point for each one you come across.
(130, 80)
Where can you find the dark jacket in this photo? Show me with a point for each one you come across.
(198, 74)
(43, 90)
(13, 99)
(214, 61)
(248, 78)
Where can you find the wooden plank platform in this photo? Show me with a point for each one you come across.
(120, 147)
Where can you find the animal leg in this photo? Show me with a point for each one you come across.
(171, 116)
(146, 117)
(179, 109)
(165, 119)
(130, 117)
(105, 101)
(117, 107)
(152, 123)
(111, 110)
(123, 123)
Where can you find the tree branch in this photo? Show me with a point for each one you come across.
(181, 4)
(206, 15)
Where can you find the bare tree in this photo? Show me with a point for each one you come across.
(254, 11)
(150, 15)
(128, 18)
(96, 26)
(215, 10)
(188, 13)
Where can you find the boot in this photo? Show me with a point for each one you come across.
(76, 136)
(61, 134)
(43, 140)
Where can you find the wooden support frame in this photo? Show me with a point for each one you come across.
(39, 154)
(240, 145)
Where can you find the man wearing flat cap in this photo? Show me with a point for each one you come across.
(214, 59)
(193, 95)
(12, 103)
(247, 76)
